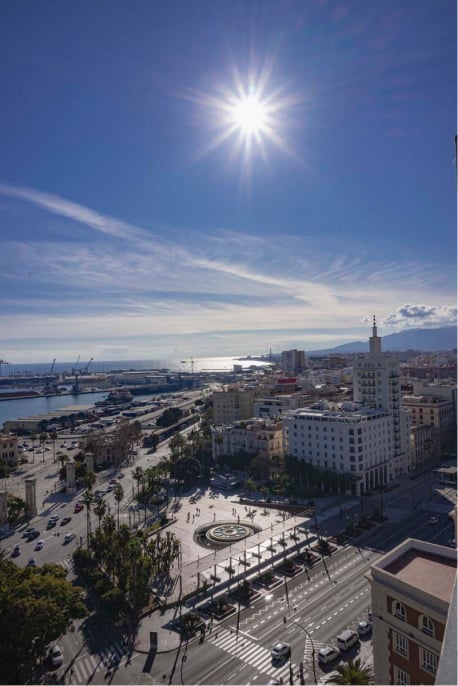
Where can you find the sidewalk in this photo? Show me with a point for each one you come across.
(160, 620)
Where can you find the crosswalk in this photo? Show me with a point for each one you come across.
(85, 667)
(251, 652)
(66, 564)
(441, 506)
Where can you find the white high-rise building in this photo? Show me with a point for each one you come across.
(366, 439)
(377, 384)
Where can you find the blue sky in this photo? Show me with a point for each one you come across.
(141, 218)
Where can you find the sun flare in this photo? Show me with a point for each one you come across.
(250, 115)
(249, 118)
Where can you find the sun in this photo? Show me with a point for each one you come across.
(249, 118)
(250, 115)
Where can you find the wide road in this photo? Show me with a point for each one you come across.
(323, 606)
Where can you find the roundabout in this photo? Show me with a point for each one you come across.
(221, 534)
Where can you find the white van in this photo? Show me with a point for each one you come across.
(347, 639)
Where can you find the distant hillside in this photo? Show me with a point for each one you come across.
(424, 340)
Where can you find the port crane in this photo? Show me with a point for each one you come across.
(52, 366)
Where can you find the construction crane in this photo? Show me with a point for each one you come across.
(52, 366)
(86, 368)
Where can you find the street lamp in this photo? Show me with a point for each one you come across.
(313, 648)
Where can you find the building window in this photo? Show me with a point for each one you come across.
(428, 661)
(401, 677)
(427, 625)
(401, 645)
(399, 610)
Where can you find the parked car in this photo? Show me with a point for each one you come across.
(78, 507)
(280, 651)
(328, 654)
(347, 639)
(39, 544)
(32, 562)
(56, 656)
(16, 551)
(364, 628)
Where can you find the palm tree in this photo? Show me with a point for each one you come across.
(90, 480)
(138, 476)
(88, 499)
(54, 436)
(118, 496)
(34, 438)
(352, 672)
(100, 508)
(43, 436)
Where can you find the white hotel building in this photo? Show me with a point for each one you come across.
(367, 438)
(347, 439)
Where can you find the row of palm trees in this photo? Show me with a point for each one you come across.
(131, 560)
(97, 503)
(42, 437)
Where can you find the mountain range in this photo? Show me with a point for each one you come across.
(423, 340)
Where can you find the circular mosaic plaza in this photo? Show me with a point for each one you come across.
(222, 534)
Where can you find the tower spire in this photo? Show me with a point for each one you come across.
(375, 342)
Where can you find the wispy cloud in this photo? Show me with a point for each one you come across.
(163, 283)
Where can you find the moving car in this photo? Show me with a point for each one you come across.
(65, 520)
(280, 651)
(56, 656)
(32, 562)
(54, 518)
(69, 537)
(16, 551)
(33, 534)
(25, 534)
(364, 628)
(51, 524)
(78, 507)
(39, 544)
(328, 654)
(433, 520)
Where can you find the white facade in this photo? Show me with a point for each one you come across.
(377, 384)
(347, 439)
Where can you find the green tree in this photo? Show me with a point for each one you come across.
(89, 480)
(43, 438)
(352, 672)
(118, 496)
(169, 417)
(88, 499)
(54, 436)
(36, 607)
(100, 509)
(16, 508)
(251, 486)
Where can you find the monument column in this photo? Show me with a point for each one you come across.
(71, 480)
(31, 495)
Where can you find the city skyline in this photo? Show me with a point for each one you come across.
(224, 179)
